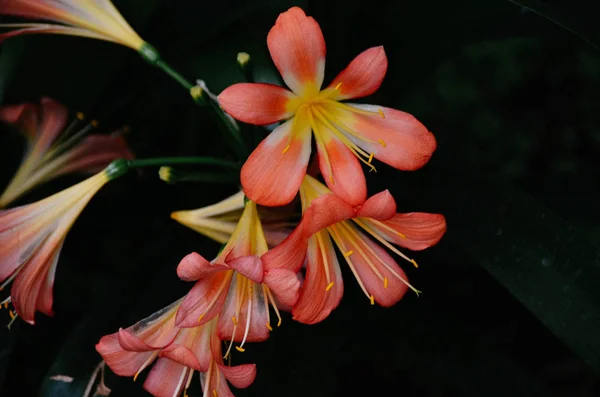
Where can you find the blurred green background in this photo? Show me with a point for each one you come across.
(511, 304)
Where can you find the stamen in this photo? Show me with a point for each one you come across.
(414, 262)
(240, 349)
(381, 113)
(200, 318)
(145, 364)
(338, 85)
(13, 319)
(12, 314)
(319, 138)
(215, 393)
(286, 149)
(338, 241)
(382, 142)
(272, 300)
(321, 244)
(356, 239)
(80, 116)
(248, 317)
(347, 254)
(351, 108)
(372, 299)
(383, 241)
(94, 123)
(330, 286)
(269, 327)
(370, 157)
(385, 282)
(234, 320)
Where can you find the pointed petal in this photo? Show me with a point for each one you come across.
(120, 361)
(204, 301)
(12, 113)
(240, 376)
(249, 266)
(153, 332)
(289, 254)
(362, 76)
(132, 343)
(325, 211)
(166, 379)
(274, 171)
(254, 103)
(404, 143)
(40, 28)
(319, 295)
(415, 230)
(297, 47)
(346, 179)
(285, 284)
(54, 119)
(182, 355)
(194, 267)
(380, 206)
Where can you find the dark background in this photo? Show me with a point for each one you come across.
(511, 298)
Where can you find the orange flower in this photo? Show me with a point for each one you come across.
(236, 286)
(31, 238)
(328, 220)
(344, 132)
(180, 352)
(97, 19)
(55, 149)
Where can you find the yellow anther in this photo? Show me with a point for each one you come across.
(200, 318)
(243, 58)
(94, 123)
(372, 298)
(347, 254)
(80, 115)
(12, 314)
(279, 322)
(234, 320)
(414, 262)
(215, 393)
(269, 327)
(240, 349)
(330, 286)
(6, 305)
(337, 87)
(400, 234)
(286, 149)
(385, 282)
(370, 158)
(196, 92)
(136, 376)
(381, 113)
(382, 142)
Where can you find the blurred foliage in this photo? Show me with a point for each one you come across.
(510, 303)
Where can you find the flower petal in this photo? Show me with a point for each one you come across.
(346, 179)
(256, 103)
(194, 267)
(285, 284)
(325, 211)
(380, 206)
(297, 47)
(415, 230)
(274, 171)
(132, 343)
(240, 376)
(289, 254)
(182, 355)
(12, 113)
(249, 266)
(53, 121)
(120, 361)
(167, 378)
(153, 332)
(204, 301)
(399, 139)
(319, 295)
(362, 76)
(94, 153)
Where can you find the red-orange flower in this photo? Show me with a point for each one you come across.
(329, 220)
(55, 149)
(180, 352)
(236, 286)
(343, 131)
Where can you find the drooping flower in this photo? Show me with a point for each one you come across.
(32, 236)
(344, 132)
(236, 286)
(55, 149)
(97, 19)
(218, 221)
(178, 353)
(329, 221)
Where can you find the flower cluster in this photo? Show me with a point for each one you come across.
(273, 260)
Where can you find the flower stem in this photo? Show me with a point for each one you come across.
(160, 161)
(174, 74)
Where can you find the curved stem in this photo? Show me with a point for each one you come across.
(160, 161)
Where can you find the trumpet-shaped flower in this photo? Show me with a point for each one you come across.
(97, 19)
(55, 149)
(236, 286)
(218, 221)
(344, 132)
(178, 353)
(329, 221)
(31, 238)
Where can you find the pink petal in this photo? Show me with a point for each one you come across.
(25, 117)
(273, 174)
(132, 343)
(346, 179)
(182, 355)
(380, 206)
(362, 76)
(297, 47)
(325, 211)
(407, 144)
(418, 230)
(194, 267)
(12, 113)
(204, 301)
(42, 28)
(317, 297)
(285, 284)
(240, 376)
(54, 118)
(95, 152)
(201, 345)
(254, 103)
(289, 254)
(120, 361)
(166, 379)
(249, 266)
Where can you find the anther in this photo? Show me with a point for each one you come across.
(372, 298)
(330, 286)
(347, 254)
(381, 113)
(94, 123)
(200, 318)
(400, 234)
(12, 314)
(382, 142)
(234, 320)
(286, 149)
(279, 322)
(385, 282)
(414, 262)
(240, 349)
(6, 304)
(215, 393)
(337, 87)
(80, 115)
(269, 327)
(196, 92)
(370, 158)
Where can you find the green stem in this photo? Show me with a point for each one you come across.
(160, 161)
(174, 74)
